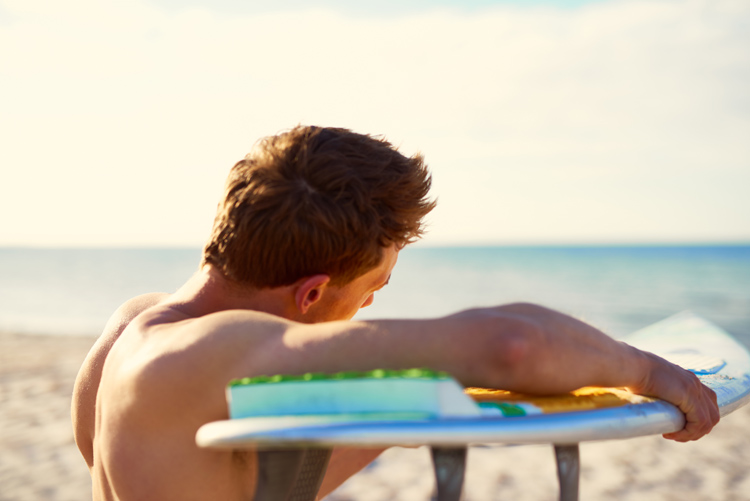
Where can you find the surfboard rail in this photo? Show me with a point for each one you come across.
(564, 428)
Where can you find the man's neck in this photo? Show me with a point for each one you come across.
(209, 291)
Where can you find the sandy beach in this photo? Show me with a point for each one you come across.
(39, 461)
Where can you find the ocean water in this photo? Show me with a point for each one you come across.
(618, 289)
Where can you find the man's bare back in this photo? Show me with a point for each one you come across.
(162, 417)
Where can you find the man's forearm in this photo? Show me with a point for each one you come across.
(552, 352)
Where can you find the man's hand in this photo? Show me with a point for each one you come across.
(683, 389)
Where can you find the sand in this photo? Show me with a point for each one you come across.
(39, 461)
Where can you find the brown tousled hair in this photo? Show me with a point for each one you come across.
(316, 200)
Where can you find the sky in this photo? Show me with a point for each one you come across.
(543, 122)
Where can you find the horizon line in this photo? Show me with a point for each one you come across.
(422, 245)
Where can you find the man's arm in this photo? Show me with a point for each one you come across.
(518, 347)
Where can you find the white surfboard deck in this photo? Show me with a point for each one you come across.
(688, 340)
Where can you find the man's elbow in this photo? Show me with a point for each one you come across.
(513, 338)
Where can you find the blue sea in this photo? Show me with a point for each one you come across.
(618, 289)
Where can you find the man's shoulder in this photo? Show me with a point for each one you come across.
(130, 309)
(179, 366)
(114, 328)
(163, 344)
(217, 344)
(118, 322)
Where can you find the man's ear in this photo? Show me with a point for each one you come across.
(309, 291)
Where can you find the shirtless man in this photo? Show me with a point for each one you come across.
(308, 230)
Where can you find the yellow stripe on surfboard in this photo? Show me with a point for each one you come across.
(586, 398)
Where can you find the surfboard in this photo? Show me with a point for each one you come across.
(294, 449)
(588, 414)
